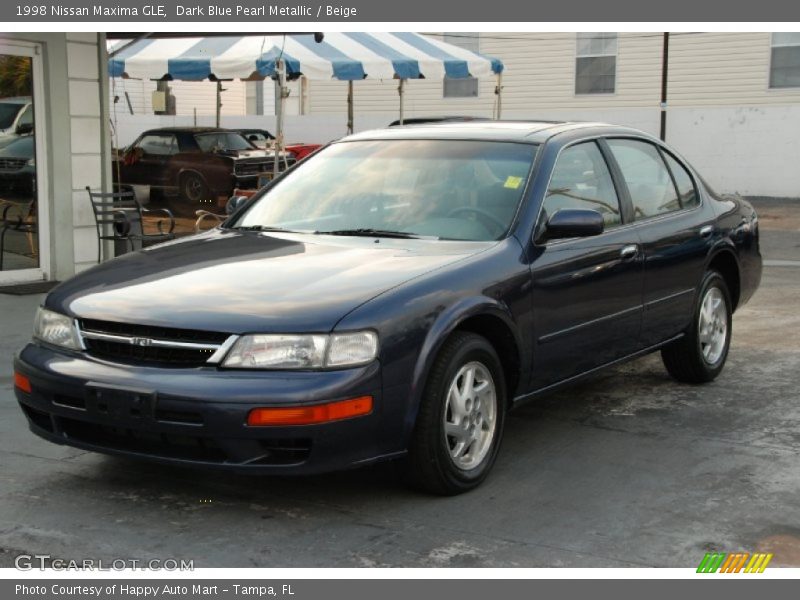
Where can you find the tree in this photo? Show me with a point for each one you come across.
(15, 76)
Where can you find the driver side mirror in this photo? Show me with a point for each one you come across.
(235, 203)
(572, 223)
(24, 129)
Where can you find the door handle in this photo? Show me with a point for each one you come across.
(706, 231)
(629, 252)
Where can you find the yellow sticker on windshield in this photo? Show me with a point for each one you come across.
(513, 182)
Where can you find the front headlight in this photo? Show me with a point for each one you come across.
(55, 328)
(312, 351)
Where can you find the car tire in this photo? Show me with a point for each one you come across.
(700, 355)
(442, 463)
(193, 188)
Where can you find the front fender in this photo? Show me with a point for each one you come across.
(443, 326)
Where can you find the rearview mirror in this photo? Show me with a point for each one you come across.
(574, 222)
(235, 203)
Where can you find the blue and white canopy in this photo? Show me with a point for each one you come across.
(343, 56)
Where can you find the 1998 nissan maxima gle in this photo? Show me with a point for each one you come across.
(392, 296)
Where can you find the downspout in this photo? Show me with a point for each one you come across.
(664, 79)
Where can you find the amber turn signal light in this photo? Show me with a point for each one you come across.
(309, 415)
(22, 382)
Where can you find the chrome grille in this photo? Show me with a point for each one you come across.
(146, 344)
(12, 164)
(252, 168)
(247, 168)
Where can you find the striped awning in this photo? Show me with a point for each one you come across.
(343, 56)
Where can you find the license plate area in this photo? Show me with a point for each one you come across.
(120, 402)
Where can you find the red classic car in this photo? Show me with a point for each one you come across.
(199, 164)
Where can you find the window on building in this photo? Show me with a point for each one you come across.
(785, 65)
(596, 63)
(463, 87)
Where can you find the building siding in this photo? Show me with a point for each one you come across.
(723, 69)
(189, 96)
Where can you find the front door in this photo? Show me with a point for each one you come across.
(23, 185)
(587, 292)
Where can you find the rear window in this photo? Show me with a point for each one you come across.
(220, 141)
(649, 183)
(684, 183)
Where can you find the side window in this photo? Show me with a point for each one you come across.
(683, 181)
(158, 145)
(650, 186)
(581, 179)
(26, 118)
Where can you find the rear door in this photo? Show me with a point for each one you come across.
(587, 292)
(676, 233)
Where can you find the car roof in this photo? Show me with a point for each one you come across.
(534, 132)
(187, 130)
(16, 100)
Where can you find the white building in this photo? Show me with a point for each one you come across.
(72, 151)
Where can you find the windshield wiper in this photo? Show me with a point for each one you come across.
(369, 232)
(261, 228)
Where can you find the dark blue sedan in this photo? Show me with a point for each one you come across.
(392, 297)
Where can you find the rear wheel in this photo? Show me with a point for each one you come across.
(700, 355)
(193, 195)
(461, 417)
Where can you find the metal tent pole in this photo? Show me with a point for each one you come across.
(350, 107)
(499, 93)
(400, 90)
(279, 111)
(219, 102)
(664, 80)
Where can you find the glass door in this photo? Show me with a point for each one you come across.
(21, 222)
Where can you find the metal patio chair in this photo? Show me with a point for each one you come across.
(20, 218)
(118, 216)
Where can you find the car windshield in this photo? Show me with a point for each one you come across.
(8, 112)
(221, 141)
(255, 136)
(446, 189)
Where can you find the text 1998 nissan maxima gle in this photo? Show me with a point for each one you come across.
(393, 296)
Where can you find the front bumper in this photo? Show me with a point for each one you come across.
(21, 180)
(245, 181)
(198, 416)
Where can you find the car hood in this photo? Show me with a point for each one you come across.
(248, 154)
(239, 282)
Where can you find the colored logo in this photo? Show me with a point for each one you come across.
(738, 562)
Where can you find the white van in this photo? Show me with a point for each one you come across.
(16, 118)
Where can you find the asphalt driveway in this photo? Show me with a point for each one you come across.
(630, 469)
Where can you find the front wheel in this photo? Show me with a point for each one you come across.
(460, 422)
(700, 355)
